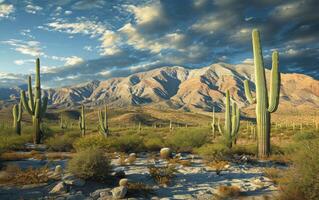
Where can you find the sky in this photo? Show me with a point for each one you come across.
(84, 40)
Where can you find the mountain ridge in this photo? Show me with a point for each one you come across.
(181, 88)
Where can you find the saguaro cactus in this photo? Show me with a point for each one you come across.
(213, 123)
(232, 119)
(17, 116)
(264, 106)
(82, 123)
(103, 122)
(36, 106)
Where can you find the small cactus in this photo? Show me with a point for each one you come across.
(82, 124)
(213, 123)
(232, 119)
(17, 116)
(103, 122)
(62, 124)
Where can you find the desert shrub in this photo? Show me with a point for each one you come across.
(218, 166)
(228, 191)
(301, 180)
(139, 190)
(162, 175)
(301, 136)
(184, 140)
(153, 143)
(90, 164)
(94, 141)
(244, 149)
(22, 156)
(127, 143)
(214, 151)
(16, 176)
(61, 143)
(274, 174)
(14, 142)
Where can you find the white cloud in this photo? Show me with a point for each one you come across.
(33, 9)
(31, 48)
(6, 10)
(288, 10)
(145, 14)
(109, 41)
(88, 48)
(91, 28)
(68, 12)
(22, 62)
(248, 61)
(73, 60)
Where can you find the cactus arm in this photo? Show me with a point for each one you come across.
(30, 95)
(80, 122)
(233, 119)
(105, 118)
(24, 102)
(220, 129)
(248, 94)
(19, 112)
(274, 84)
(237, 119)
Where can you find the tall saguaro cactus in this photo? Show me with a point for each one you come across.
(35, 106)
(264, 106)
(82, 123)
(17, 116)
(103, 122)
(213, 123)
(232, 119)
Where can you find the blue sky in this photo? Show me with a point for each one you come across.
(82, 40)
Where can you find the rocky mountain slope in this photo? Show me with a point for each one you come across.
(184, 89)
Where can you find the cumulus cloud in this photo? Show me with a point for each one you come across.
(33, 9)
(91, 4)
(6, 10)
(31, 47)
(73, 60)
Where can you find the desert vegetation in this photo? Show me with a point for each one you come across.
(94, 148)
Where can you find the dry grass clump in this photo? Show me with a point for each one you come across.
(175, 161)
(14, 175)
(218, 166)
(228, 191)
(274, 174)
(162, 175)
(139, 190)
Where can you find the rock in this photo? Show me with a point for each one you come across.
(70, 179)
(123, 182)
(77, 196)
(183, 196)
(58, 170)
(119, 192)
(119, 172)
(59, 188)
(100, 192)
(4, 176)
(165, 153)
(131, 158)
(75, 181)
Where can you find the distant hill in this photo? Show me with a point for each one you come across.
(180, 88)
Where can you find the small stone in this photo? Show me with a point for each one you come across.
(165, 153)
(183, 196)
(59, 188)
(100, 192)
(123, 182)
(75, 182)
(119, 192)
(58, 170)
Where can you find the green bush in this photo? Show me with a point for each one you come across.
(216, 151)
(127, 143)
(14, 142)
(90, 164)
(93, 141)
(62, 143)
(301, 181)
(153, 143)
(186, 139)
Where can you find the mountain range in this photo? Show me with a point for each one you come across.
(179, 88)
